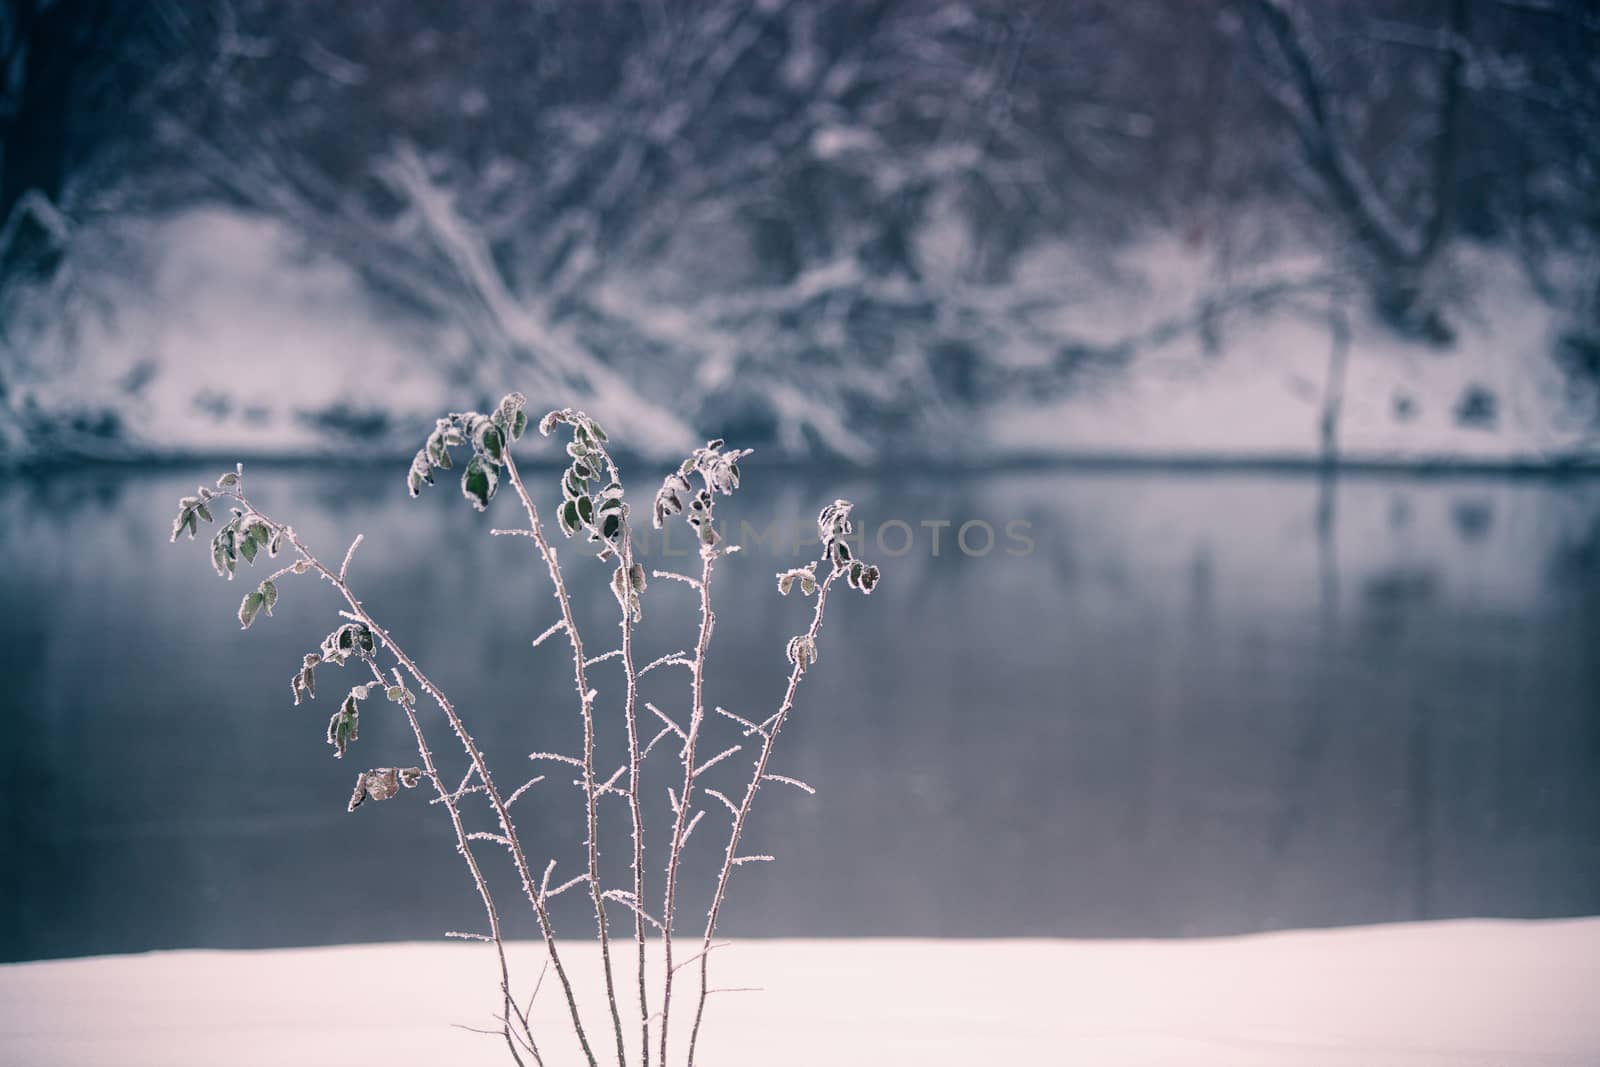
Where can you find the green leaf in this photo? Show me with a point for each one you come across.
(228, 481)
(181, 523)
(585, 509)
(248, 608)
(519, 423)
(569, 518)
(269, 595)
(493, 443)
(869, 579)
(478, 483)
(610, 525)
(344, 726)
(510, 407)
(247, 546)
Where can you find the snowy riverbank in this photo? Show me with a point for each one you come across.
(1464, 994)
(193, 360)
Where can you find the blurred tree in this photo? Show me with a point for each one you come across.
(821, 222)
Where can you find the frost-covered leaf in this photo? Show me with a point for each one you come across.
(346, 641)
(304, 683)
(869, 579)
(802, 651)
(493, 443)
(509, 408)
(381, 783)
(269, 595)
(228, 481)
(344, 726)
(248, 608)
(420, 474)
(478, 482)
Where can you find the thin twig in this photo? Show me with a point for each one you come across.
(708, 557)
(586, 699)
(731, 858)
(477, 760)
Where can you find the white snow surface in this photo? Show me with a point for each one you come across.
(1469, 993)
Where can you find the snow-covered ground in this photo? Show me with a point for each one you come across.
(1470, 993)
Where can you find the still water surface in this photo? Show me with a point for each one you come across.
(1171, 703)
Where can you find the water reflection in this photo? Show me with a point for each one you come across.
(1202, 703)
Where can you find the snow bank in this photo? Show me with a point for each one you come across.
(1463, 994)
(1259, 395)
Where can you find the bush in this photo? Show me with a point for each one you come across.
(595, 512)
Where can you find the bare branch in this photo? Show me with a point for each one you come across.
(677, 659)
(555, 628)
(350, 553)
(693, 583)
(674, 727)
(556, 756)
(714, 760)
(724, 798)
(523, 788)
(564, 886)
(749, 727)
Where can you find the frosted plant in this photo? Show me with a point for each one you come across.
(594, 511)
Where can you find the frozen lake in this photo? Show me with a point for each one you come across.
(1171, 703)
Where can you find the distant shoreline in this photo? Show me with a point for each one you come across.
(1561, 467)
